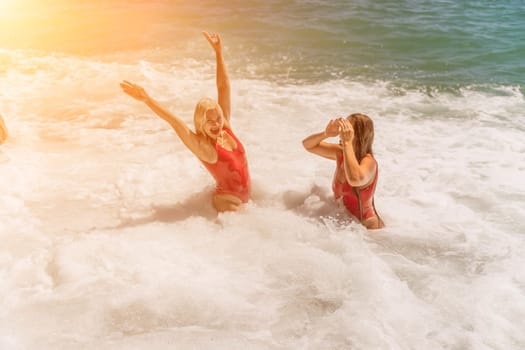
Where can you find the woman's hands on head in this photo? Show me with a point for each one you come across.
(341, 127)
(332, 129)
(346, 130)
(214, 40)
(134, 90)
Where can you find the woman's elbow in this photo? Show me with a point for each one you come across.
(304, 145)
(307, 145)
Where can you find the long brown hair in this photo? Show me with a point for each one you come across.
(363, 134)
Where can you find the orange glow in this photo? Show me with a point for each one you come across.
(11, 8)
(75, 27)
(5, 4)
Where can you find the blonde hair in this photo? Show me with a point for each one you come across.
(199, 116)
(363, 134)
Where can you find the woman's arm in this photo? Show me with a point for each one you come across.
(223, 81)
(316, 145)
(188, 137)
(3, 131)
(357, 174)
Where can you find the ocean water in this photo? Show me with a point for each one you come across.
(108, 237)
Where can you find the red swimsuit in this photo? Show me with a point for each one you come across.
(359, 202)
(231, 170)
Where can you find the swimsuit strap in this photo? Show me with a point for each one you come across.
(238, 144)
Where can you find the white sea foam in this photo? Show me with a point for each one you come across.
(109, 240)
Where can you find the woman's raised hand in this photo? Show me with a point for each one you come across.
(347, 130)
(135, 91)
(214, 40)
(332, 129)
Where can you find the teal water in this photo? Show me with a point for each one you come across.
(437, 43)
(410, 42)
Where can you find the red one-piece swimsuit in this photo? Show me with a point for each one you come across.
(231, 170)
(350, 195)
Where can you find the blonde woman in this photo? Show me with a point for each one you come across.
(356, 169)
(3, 131)
(213, 141)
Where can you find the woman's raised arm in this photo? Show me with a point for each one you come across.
(223, 81)
(188, 137)
(316, 145)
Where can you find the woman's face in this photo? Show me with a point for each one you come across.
(214, 122)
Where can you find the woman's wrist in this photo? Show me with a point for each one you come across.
(147, 99)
